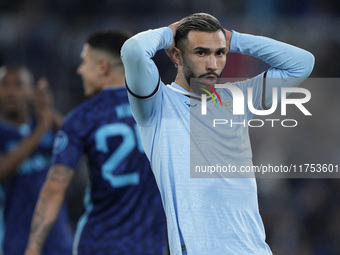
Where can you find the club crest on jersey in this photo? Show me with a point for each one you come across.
(60, 142)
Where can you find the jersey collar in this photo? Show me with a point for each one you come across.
(175, 87)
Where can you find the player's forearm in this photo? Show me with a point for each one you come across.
(44, 217)
(288, 61)
(11, 161)
(48, 206)
(141, 73)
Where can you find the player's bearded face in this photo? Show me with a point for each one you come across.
(204, 56)
(192, 72)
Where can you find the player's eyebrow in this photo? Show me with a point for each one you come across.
(223, 49)
(200, 48)
(208, 50)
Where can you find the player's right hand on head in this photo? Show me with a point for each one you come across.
(171, 50)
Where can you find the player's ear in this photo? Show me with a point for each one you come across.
(104, 66)
(176, 56)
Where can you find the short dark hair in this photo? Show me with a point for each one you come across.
(197, 22)
(110, 41)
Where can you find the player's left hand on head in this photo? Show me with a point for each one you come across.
(228, 35)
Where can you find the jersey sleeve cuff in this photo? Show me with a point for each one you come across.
(144, 97)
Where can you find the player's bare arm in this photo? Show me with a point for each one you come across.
(11, 161)
(47, 209)
(43, 101)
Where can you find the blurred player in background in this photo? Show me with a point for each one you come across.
(204, 215)
(28, 125)
(123, 210)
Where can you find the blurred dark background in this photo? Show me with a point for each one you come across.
(301, 216)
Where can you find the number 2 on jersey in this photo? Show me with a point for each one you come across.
(129, 137)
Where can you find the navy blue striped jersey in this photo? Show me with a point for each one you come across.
(123, 210)
(18, 196)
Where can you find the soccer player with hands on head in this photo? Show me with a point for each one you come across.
(204, 215)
